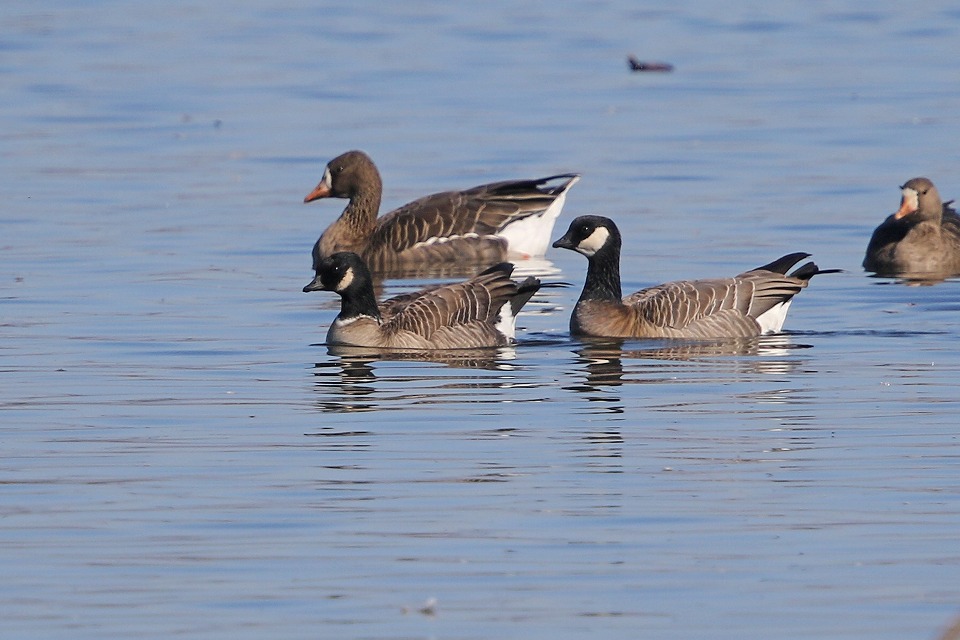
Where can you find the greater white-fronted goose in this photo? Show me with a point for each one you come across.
(478, 226)
(751, 304)
(479, 312)
(922, 239)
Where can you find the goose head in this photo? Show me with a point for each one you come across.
(343, 273)
(591, 235)
(345, 176)
(920, 199)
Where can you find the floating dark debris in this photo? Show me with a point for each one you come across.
(637, 65)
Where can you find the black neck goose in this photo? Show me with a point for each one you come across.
(751, 304)
(479, 312)
(922, 239)
(478, 226)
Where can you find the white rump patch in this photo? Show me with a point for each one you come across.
(345, 281)
(530, 236)
(507, 322)
(771, 320)
(594, 242)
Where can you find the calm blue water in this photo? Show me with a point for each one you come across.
(182, 457)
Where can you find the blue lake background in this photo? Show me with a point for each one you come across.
(183, 457)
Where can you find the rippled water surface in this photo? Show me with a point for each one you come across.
(184, 457)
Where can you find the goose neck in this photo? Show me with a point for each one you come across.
(603, 276)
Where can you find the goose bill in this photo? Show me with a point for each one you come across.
(909, 203)
(322, 190)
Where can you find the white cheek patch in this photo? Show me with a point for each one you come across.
(345, 281)
(327, 178)
(594, 242)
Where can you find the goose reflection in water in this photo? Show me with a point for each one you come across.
(349, 381)
(602, 360)
(913, 279)
(347, 385)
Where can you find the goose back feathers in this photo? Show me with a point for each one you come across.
(477, 226)
(479, 312)
(750, 304)
(922, 239)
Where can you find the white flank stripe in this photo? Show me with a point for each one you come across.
(442, 239)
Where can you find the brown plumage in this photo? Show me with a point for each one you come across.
(478, 226)
(750, 304)
(921, 240)
(479, 312)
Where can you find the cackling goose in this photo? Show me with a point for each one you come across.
(479, 312)
(750, 304)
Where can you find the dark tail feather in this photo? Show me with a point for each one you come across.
(530, 187)
(781, 265)
(525, 291)
(568, 178)
(810, 269)
(505, 268)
